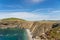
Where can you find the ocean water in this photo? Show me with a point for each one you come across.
(13, 34)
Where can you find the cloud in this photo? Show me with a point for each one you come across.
(14, 6)
(11, 6)
(24, 15)
(47, 11)
(42, 10)
(52, 14)
(37, 1)
(34, 1)
(34, 15)
(56, 11)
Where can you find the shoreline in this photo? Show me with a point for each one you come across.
(29, 34)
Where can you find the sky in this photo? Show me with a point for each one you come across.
(31, 10)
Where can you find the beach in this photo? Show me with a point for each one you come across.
(29, 34)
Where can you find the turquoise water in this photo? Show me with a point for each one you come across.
(13, 34)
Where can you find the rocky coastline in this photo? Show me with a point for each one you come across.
(39, 29)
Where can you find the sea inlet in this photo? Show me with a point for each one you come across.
(13, 34)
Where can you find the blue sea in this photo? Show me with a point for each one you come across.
(13, 34)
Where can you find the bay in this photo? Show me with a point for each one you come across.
(13, 34)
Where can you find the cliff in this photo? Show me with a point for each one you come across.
(37, 28)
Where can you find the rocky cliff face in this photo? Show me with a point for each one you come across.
(37, 28)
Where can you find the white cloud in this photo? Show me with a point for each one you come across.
(24, 15)
(37, 10)
(45, 9)
(52, 15)
(56, 11)
(34, 1)
(11, 6)
(37, 1)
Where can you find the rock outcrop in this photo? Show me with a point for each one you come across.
(37, 28)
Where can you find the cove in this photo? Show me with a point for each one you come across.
(13, 34)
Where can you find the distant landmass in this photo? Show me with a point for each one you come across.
(45, 29)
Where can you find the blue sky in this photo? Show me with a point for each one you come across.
(30, 9)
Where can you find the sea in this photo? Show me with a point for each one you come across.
(13, 34)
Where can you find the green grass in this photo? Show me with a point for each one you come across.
(12, 19)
